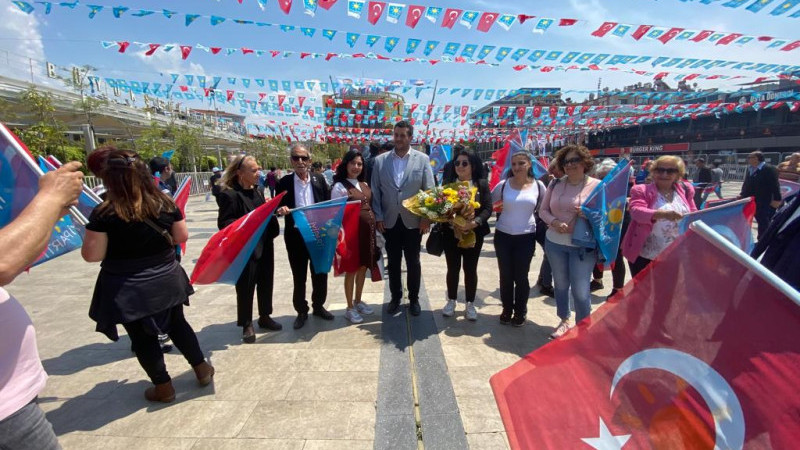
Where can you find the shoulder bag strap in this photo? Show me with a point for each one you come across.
(160, 231)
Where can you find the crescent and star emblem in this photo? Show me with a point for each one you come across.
(377, 9)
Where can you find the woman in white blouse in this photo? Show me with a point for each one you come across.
(515, 236)
(349, 182)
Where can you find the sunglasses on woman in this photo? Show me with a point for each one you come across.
(666, 170)
(462, 163)
(296, 158)
(575, 160)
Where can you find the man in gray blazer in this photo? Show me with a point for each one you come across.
(396, 176)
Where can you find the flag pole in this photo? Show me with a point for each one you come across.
(433, 98)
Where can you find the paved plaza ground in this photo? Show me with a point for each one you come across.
(391, 382)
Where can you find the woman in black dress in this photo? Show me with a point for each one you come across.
(349, 182)
(141, 285)
(239, 196)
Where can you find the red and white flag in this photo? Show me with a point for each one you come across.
(695, 352)
(415, 13)
(375, 11)
(486, 21)
(670, 35)
(641, 31)
(703, 35)
(451, 16)
(604, 28)
(347, 258)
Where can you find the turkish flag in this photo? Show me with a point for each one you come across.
(486, 21)
(346, 259)
(537, 111)
(464, 111)
(567, 22)
(123, 45)
(641, 31)
(375, 11)
(604, 28)
(153, 48)
(185, 50)
(729, 38)
(684, 356)
(326, 4)
(669, 35)
(285, 5)
(790, 47)
(702, 35)
(281, 99)
(451, 17)
(229, 94)
(415, 12)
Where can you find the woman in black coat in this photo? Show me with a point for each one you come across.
(239, 196)
(469, 168)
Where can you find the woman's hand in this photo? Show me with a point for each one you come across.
(668, 215)
(579, 212)
(560, 227)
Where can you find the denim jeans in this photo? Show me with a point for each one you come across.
(572, 268)
(28, 429)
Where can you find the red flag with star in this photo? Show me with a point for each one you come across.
(486, 21)
(451, 16)
(703, 35)
(604, 28)
(641, 31)
(326, 4)
(669, 35)
(792, 46)
(729, 38)
(285, 5)
(374, 11)
(705, 362)
(415, 12)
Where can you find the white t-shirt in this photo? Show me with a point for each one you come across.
(22, 376)
(340, 191)
(518, 207)
(303, 196)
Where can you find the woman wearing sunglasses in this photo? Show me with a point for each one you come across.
(469, 168)
(571, 264)
(238, 197)
(655, 209)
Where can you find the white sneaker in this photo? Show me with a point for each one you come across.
(449, 309)
(364, 308)
(561, 329)
(470, 313)
(353, 316)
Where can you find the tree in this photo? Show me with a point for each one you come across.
(46, 135)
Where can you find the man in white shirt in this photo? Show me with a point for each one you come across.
(303, 188)
(396, 176)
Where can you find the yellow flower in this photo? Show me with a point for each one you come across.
(429, 201)
(473, 191)
(474, 204)
(449, 192)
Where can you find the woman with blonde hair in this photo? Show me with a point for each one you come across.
(140, 284)
(571, 264)
(655, 210)
(239, 196)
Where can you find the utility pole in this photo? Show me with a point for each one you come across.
(430, 107)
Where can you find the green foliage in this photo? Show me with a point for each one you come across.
(46, 134)
(157, 138)
(208, 162)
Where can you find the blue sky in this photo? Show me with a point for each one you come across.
(67, 37)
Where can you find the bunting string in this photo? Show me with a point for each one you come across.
(484, 20)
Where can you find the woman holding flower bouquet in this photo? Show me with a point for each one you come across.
(349, 182)
(515, 236)
(469, 170)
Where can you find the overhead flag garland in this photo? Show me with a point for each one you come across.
(484, 21)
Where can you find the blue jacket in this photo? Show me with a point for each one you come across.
(781, 249)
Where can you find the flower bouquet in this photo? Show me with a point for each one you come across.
(454, 203)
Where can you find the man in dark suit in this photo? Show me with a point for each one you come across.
(303, 188)
(761, 182)
(702, 180)
(780, 244)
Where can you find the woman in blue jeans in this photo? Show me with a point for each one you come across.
(571, 264)
(515, 236)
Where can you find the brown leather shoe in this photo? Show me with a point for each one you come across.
(163, 393)
(204, 373)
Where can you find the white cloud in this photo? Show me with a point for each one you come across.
(25, 52)
(170, 62)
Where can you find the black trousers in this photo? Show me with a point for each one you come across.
(617, 272)
(300, 262)
(257, 277)
(402, 241)
(148, 350)
(456, 257)
(514, 254)
(638, 265)
(763, 216)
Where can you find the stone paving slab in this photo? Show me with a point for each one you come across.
(314, 388)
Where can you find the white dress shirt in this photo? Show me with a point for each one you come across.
(303, 195)
(399, 165)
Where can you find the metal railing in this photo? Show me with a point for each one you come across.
(199, 181)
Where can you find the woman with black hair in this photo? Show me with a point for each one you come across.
(468, 168)
(349, 182)
(141, 285)
(240, 196)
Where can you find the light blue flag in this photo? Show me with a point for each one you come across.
(319, 226)
(734, 3)
(430, 46)
(391, 43)
(502, 53)
(440, 155)
(329, 34)
(352, 38)
(734, 221)
(784, 7)
(451, 48)
(307, 31)
(519, 53)
(372, 39)
(412, 44)
(605, 211)
(485, 50)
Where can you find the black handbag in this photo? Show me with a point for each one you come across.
(435, 243)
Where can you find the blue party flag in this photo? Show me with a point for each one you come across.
(784, 7)
(440, 155)
(604, 209)
(734, 221)
(319, 226)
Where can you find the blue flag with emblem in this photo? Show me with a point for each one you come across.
(319, 226)
(440, 155)
(734, 221)
(605, 211)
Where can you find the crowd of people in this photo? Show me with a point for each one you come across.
(142, 286)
